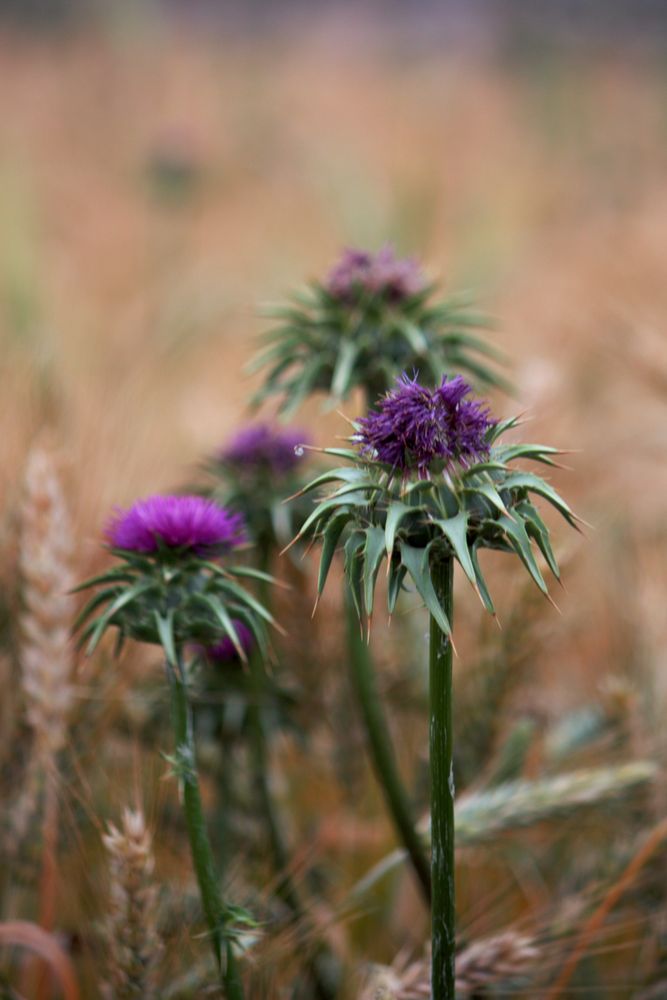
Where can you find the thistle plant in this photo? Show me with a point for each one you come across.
(430, 482)
(252, 473)
(373, 316)
(170, 589)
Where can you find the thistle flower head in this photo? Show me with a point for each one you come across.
(263, 449)
(459, 492)
(170, 588)
(374, 315)
(188, 523)
(225, 651)
(359, 272)
(415, 427)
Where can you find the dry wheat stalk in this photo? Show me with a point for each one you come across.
(482, 816)
(132, 940)
(502, 958)
(45, 562)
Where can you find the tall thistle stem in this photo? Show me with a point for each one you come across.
(260, 753)
(441, 745)
(200, 847)
(362, 674)
(286, 888)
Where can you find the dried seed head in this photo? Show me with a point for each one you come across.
(494, 960)
(132, 939)
(45, 565)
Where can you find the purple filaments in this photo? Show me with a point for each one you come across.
(225, 651)
(383, 273)
(262, 448)
(176, 522)
(414, 426)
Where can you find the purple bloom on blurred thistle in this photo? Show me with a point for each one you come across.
(414, 426)
(225, 651)
(176, 522)
(263, 448)
(382, 273)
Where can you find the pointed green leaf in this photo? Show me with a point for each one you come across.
(306, 380)
(488, 490)
(341, 378)
(330, 538)
(345, 473)
(354, 568)
(517, 536)
(110, 577)
(95, 602)
(249, 571)
(497, 430)
(327, 505)
(374, 552)
(397, 573)
(104, 620)
(416, 561)
(418, 486)
(396, 513)
(165, 629)
(536, 452)
(535, 484)
(364, 485)
(456, 531)
(257, 629)
(245, 597)
(537, 529)
(219, 612)
(413, 335)
(482, 588)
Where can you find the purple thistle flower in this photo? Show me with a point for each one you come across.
(225, 651)
(176, 522)
(414, 426)
(262, 448)
(382, 273)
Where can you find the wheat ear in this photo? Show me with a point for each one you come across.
(131, 936)
(45, 563)
(502, 958)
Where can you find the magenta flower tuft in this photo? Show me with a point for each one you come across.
(176, 522)
(262, 448)
(415, 426)
(225, 651)
(382, 273)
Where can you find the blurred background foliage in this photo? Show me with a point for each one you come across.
(167, 169)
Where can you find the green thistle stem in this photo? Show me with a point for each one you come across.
(285, 889)
(202, 855)
(260, 752)
(381, 749)
(441, 745)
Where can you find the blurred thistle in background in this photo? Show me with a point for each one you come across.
(374, 315)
